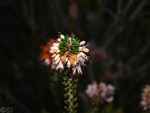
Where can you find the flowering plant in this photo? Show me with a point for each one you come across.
(100, 93)
(62, 54)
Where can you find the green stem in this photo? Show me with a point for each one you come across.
(70, 82)
(70, 89)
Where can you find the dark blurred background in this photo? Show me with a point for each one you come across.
(118, 33)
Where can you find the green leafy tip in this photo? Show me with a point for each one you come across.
(70, 44)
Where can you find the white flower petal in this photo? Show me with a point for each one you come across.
(82, 64)
(110, 87)
(75, 63)
(92, 89)
(47, 61)
(61, 36)
(110, 99)
(79, 69)
(66, 60)
(60, 65)
(53, 66)
(59, 40)
(69, 38)
(53, 55)
(56, 62)
(68, 64)
(82, 43)
(56, 44)
(57, 57)
(74, 71)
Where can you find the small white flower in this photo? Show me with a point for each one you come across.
(59, 40)
(84, 49)
(53, 55)
(54, 50)
(53, 66)
(47, 61)
(145, 103)
(110, 99)
(61, 36)
(74, 71)
(68, 64)
(60, 66)
(75, 63)
(56, 44)
(57, 57)
(56, 62)
(66, 60)
(105, 91)
(79, 69)
(82, 43)
(92, 89)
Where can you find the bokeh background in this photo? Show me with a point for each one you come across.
(118, 33)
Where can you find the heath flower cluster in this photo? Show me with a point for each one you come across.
(101, 91)
(145, 103)
(67, 52)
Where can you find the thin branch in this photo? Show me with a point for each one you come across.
(119, 6)
(118, 12)
(136, 11)
(128, 6)
(25, 11)
(111, 13)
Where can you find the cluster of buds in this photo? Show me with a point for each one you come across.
(100, 92)
(66, 52)
(145, 103)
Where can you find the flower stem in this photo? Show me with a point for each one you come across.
(70, 89)
(70, 83)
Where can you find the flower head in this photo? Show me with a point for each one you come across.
(106, 92)
(100, 92)
(68, 52)
(145, 103)
(92, 89)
